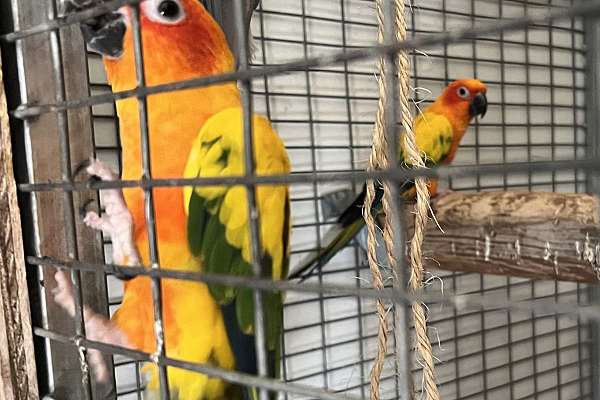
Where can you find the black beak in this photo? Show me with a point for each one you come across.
(103, 34)
(478, 105)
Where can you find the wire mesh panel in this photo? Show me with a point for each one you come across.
(325, 116)
(536, 91)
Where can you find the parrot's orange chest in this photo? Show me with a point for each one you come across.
(193, 48)
(174, 120)
(459, 117)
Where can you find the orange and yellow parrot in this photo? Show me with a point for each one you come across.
(193, 133)
(439, 130)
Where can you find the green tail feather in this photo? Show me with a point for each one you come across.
(322, 257)
(349, 225)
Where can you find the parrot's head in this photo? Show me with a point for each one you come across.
(181, 40)
(466, 98)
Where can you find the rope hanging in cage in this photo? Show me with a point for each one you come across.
(379, 159)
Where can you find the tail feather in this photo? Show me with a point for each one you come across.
(244, 350)
(341, 237)
(348, 226)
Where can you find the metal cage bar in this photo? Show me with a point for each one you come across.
(253, 214)
(588, 9)
(393, 138)
(34, 85)
(68, 207)
(307, 65)
(592, 101)
(149, 211)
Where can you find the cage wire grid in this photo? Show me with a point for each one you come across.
(536, 85)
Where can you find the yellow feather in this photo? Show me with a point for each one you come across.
(225, 131)
(434, 135)
(205, 339)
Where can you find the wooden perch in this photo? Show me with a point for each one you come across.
(532, 235)
(17, 361)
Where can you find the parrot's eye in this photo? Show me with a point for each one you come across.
(166, 12)
(463, 92)
(169, 9)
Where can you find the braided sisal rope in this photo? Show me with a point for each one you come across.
(379, 160)
(410, 148)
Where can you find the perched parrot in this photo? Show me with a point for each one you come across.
(193, 133)
(439, 130)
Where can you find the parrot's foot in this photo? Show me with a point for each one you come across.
(98, 327)
(118, 224)
(117, 220)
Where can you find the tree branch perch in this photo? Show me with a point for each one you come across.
(532, 235)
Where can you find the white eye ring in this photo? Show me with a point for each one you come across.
(463, 92)
(167, 12)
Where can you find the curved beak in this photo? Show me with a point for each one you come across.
(105, 34)
(478, 105)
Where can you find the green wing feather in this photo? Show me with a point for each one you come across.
(220, 257)
(218, 227)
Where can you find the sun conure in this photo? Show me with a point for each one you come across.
(439, 130)
(194, 133)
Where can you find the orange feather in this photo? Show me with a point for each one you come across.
(456, 110)
(196, 47)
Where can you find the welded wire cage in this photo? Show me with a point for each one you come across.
(312, 72)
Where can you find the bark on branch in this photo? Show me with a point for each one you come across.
(17, 361)
(533, 235)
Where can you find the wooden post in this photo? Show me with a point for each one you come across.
(17, 360)
(521, 234)
(42, 140)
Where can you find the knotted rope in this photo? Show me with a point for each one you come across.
(379, 159)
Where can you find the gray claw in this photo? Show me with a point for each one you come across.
(81, 167)
(84, 208)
